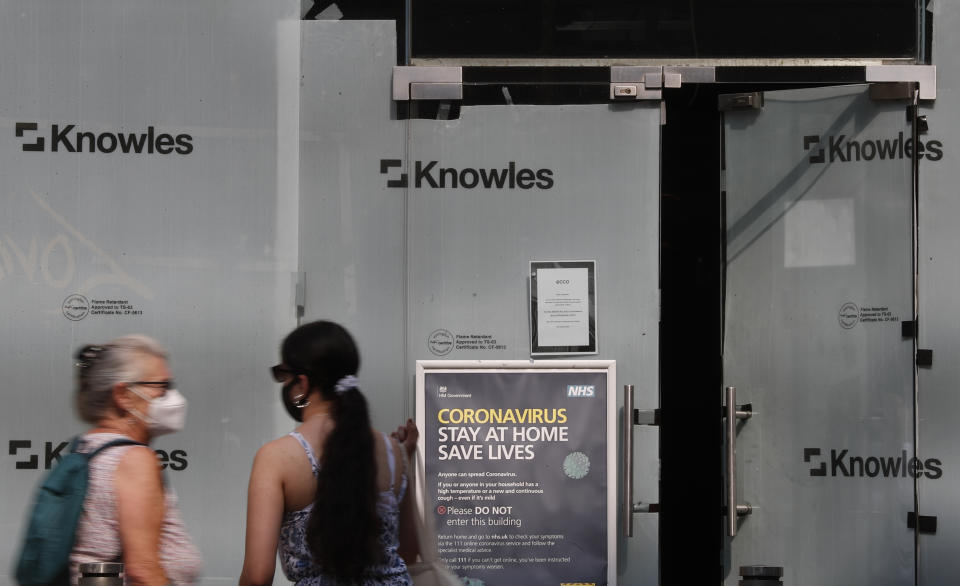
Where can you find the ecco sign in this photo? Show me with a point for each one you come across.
(842, 464)
(427, 174)
(838, 149)
(68, 138)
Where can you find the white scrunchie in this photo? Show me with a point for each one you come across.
(345, 384)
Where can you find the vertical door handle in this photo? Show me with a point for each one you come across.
(732, 415)
(627, 497)
(633, 417)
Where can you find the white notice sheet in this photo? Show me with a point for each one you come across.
(563, 307)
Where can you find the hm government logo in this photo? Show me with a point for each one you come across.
(443, 392)
(840, 149)
(586, 391)
(428, 174)
(71, 139)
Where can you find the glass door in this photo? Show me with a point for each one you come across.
(818, 342)
(501, 187)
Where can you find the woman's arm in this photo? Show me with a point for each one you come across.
(138, 486)
(409, 546)
(264, 517)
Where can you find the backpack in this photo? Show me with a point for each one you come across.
(45, 555)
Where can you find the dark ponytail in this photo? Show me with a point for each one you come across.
(343, 528)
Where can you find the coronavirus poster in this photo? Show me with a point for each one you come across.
(519, 469)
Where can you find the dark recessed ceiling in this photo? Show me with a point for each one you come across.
(664, 28)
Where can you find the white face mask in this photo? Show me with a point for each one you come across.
(166, 414)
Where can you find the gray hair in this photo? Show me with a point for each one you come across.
(99, 368)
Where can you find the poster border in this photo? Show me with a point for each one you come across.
(609, 367)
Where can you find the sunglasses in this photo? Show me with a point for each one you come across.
(281, 373)
(160, 384)
(164, 385)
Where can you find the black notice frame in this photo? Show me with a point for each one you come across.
(535, 343)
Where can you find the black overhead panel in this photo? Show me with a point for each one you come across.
(664, 28)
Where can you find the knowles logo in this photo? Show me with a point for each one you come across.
(427, 174)
(840, 150)
(843, 465)
(68, 138)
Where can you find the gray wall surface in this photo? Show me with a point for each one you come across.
(197, 248)
(939, 314)
(352, 227)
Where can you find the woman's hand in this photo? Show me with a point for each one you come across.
(407, 436)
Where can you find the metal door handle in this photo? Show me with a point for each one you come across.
(628, 460)
(633, 417)
(732, 415)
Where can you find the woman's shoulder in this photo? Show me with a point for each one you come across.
(277, 446)
(278, 453)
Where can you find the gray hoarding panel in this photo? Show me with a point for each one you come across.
(819, 232)
(142, 192)
(939, 314)
(506, 185)
(352, 224)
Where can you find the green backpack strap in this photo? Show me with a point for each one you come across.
(111, 443)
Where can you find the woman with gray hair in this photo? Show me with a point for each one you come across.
(125, 390)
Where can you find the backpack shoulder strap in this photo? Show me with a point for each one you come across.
(112, 443)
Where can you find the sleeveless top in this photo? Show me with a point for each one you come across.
(98, 533)
(295, 556)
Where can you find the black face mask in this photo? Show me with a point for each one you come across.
(288, 404)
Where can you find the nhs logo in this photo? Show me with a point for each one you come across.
(581, 391)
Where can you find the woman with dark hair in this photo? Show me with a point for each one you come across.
(332, 495)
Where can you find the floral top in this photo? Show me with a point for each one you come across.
(295, 557)
(98, 532)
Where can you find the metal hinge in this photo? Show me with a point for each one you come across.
(892, 90)
(922, 523)
(427, 83)
(300, 293)
(646, 417)
(636, 82)
(744, 101)
(908, 328)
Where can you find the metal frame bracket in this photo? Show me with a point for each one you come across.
(675, 76)
(427, 83)
(924, 75)
(640, 82)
